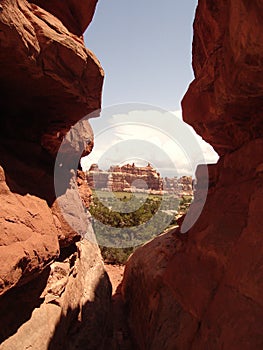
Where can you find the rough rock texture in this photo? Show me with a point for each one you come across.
(157, 320)
(224, 102)
(28, 240)
(84, 189)
(72, 191)
(69, 212)
(203, 289)
(61, 82)
(75, 15)
(70, 307)
(48, 82)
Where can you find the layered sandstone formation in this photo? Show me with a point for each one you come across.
(182, 185)
(127, 177)
(97, 178)
(49, 81)
(124, 178)
(203, 289)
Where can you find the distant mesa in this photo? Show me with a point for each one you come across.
(128, 178)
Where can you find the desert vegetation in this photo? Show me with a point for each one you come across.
(124, 221)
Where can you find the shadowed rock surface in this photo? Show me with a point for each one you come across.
(75, 15)
(55, 295)
(203, 289)
(73, 310)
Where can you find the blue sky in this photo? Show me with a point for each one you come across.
(144, 47)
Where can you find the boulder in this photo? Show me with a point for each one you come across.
(69, 306)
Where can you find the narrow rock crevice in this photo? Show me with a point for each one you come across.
(120, 338)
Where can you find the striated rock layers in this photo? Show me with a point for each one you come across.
(181, 186)
(127, 177)
(203, 289)
(48, 82)
(123, 178)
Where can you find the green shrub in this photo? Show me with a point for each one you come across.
(141, 209)
(116, 256)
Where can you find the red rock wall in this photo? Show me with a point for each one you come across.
(75, 15)
(224, 102)
(203, 289)
(48, 82)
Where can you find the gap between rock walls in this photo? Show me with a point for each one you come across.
(200, 290)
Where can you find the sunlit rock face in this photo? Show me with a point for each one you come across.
(48, 82)
(67, 307)
(129, 177)
(28, 241)
(224, 102)
(124, 178)
(75, 15)
(203, 289)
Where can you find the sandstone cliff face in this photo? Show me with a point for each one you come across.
(224, 102)
(28, 241)
(75, 15)
(182, 185)
(49, 81)
(203, 289)
(97, 178)
(129, 176)
(123, 178)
